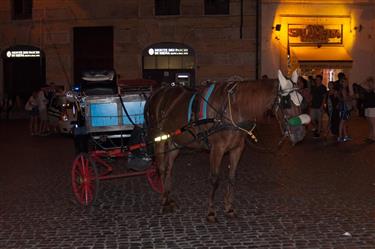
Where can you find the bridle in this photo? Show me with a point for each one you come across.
(282, 103)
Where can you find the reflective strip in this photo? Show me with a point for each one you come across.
(205, 101)
(191, 106)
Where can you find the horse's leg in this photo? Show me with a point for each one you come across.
(165, 160)
(234, 158)
(169, 204)
(216, 155)
(160, 157)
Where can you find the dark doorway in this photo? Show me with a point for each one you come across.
(167, 76)
(93, 49)
(24, 70)
(165, 61)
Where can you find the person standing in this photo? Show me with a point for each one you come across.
(43, 117)
(2, 105)
(32, 107)
(332, 101)
(369, 105)
(358, 97)
(304, 90)
(318, 94)
(8, 106)
(338, 84)
(345, 107)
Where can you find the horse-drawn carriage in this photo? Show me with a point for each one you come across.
(217, 118)
(110, 126)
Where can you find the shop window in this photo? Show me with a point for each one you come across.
(216, 7)
(22, 9)
(149, 62)
(167, 7)
(175, 62)
(162, 62)
(188, 62)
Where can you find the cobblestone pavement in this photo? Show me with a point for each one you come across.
(318, 194)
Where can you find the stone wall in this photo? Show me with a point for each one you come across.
(220, 53)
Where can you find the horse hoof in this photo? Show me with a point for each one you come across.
(166, 209)
(173, 205)
(231, 214)
(211, 218)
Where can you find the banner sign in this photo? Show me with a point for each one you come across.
(168, 51)
(22, 54)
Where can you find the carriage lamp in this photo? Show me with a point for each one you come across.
(162, 137)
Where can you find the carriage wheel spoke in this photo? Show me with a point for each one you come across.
(82, 194)
(84, 180)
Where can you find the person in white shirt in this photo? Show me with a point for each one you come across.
(43, 117)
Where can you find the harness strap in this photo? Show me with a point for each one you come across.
(198, 106)
(191, 107)
(250, 131)
(204, 103)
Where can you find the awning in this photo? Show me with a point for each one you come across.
(323, 57)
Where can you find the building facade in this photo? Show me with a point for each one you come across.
(319, 37)
(45, 41)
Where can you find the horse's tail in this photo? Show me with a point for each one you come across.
(150, 112)
(147, 109)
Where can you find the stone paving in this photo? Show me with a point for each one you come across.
(318, 194)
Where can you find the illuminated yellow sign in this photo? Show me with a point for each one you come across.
(299, 34)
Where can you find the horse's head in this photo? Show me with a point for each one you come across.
(288, 109)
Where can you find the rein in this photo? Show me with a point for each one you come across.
(219, 125)
(249, 132)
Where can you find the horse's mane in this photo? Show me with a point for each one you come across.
(256, 97)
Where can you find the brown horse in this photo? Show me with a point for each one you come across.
(230, 113)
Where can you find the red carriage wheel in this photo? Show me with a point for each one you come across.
(85, 182)
(154, 179)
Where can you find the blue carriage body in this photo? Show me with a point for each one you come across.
(106, 113)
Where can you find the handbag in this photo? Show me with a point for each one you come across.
(28, 106)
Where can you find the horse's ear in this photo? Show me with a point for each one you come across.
(295, 76)
(282, 80)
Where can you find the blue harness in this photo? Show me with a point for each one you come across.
(202, 105)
